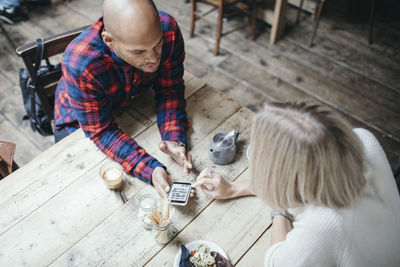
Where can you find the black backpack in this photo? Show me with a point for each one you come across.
(33, 106)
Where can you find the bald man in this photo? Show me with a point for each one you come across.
(132, 47)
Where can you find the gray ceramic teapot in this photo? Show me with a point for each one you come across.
(222, 149)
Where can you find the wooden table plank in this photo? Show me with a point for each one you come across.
(49, 173)
(28, 188)
(123, 236)
(255, 256)
(59, 223)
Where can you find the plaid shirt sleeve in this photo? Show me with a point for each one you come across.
(170, 89)
(93, 109)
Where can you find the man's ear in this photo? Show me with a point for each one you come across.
(107, 39)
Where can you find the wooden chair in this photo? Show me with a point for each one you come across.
(316, 17)
(53, 45)
(226, 9)
(7, 163)
(350, 10)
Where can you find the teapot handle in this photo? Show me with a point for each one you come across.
(235, 135)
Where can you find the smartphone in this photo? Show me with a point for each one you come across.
(179, 193)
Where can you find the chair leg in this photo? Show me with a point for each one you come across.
(192, 17)
(316, 21)
(253, 19)
(371, 22)
(299, 11)
(219, 29)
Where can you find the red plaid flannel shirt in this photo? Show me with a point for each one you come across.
(95, 81)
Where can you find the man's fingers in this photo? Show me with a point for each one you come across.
(162, 182)
(169, 183)
(160, 191)
(189, 161)
(162, 146)
(187, 166)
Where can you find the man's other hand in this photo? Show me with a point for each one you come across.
(178, 153)
(161, 181)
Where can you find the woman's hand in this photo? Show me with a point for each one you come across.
(213, 184)
(216, 187)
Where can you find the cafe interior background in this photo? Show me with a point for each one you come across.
(352, 66)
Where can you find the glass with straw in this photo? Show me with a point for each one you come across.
(162, 222)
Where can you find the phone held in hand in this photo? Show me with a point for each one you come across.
(179, 193)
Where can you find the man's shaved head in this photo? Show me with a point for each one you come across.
(123, 16)
(133, 31)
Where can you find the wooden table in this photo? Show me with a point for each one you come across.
(56, 211)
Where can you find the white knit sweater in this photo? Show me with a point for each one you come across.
(365, 234)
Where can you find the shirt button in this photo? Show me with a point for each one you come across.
(132, 97)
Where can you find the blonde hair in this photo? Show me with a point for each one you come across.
(304, 154)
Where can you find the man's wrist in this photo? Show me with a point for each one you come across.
(182, 144)
(153, 166)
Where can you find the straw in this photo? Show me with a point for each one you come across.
(163, 218)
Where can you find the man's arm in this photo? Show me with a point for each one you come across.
(170, 89)
(93, 109)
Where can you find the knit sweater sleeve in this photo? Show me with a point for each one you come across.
(314, 240)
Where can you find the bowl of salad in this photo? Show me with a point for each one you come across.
(202, 254)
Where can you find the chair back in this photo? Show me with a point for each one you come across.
(7, 163)
(53, 45)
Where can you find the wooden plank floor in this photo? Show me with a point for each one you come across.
(341, 70)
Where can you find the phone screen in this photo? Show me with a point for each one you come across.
(179, 193)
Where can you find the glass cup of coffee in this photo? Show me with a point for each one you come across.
(112, 175)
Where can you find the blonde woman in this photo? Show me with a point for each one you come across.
(336, 181)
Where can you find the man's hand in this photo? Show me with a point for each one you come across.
(178, 153)
(161, 181)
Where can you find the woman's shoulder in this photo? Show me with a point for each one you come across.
(327, 219)
(370, 143)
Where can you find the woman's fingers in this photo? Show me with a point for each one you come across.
(206, 191)
(205, 181)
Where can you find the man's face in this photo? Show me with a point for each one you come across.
(143, 53)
